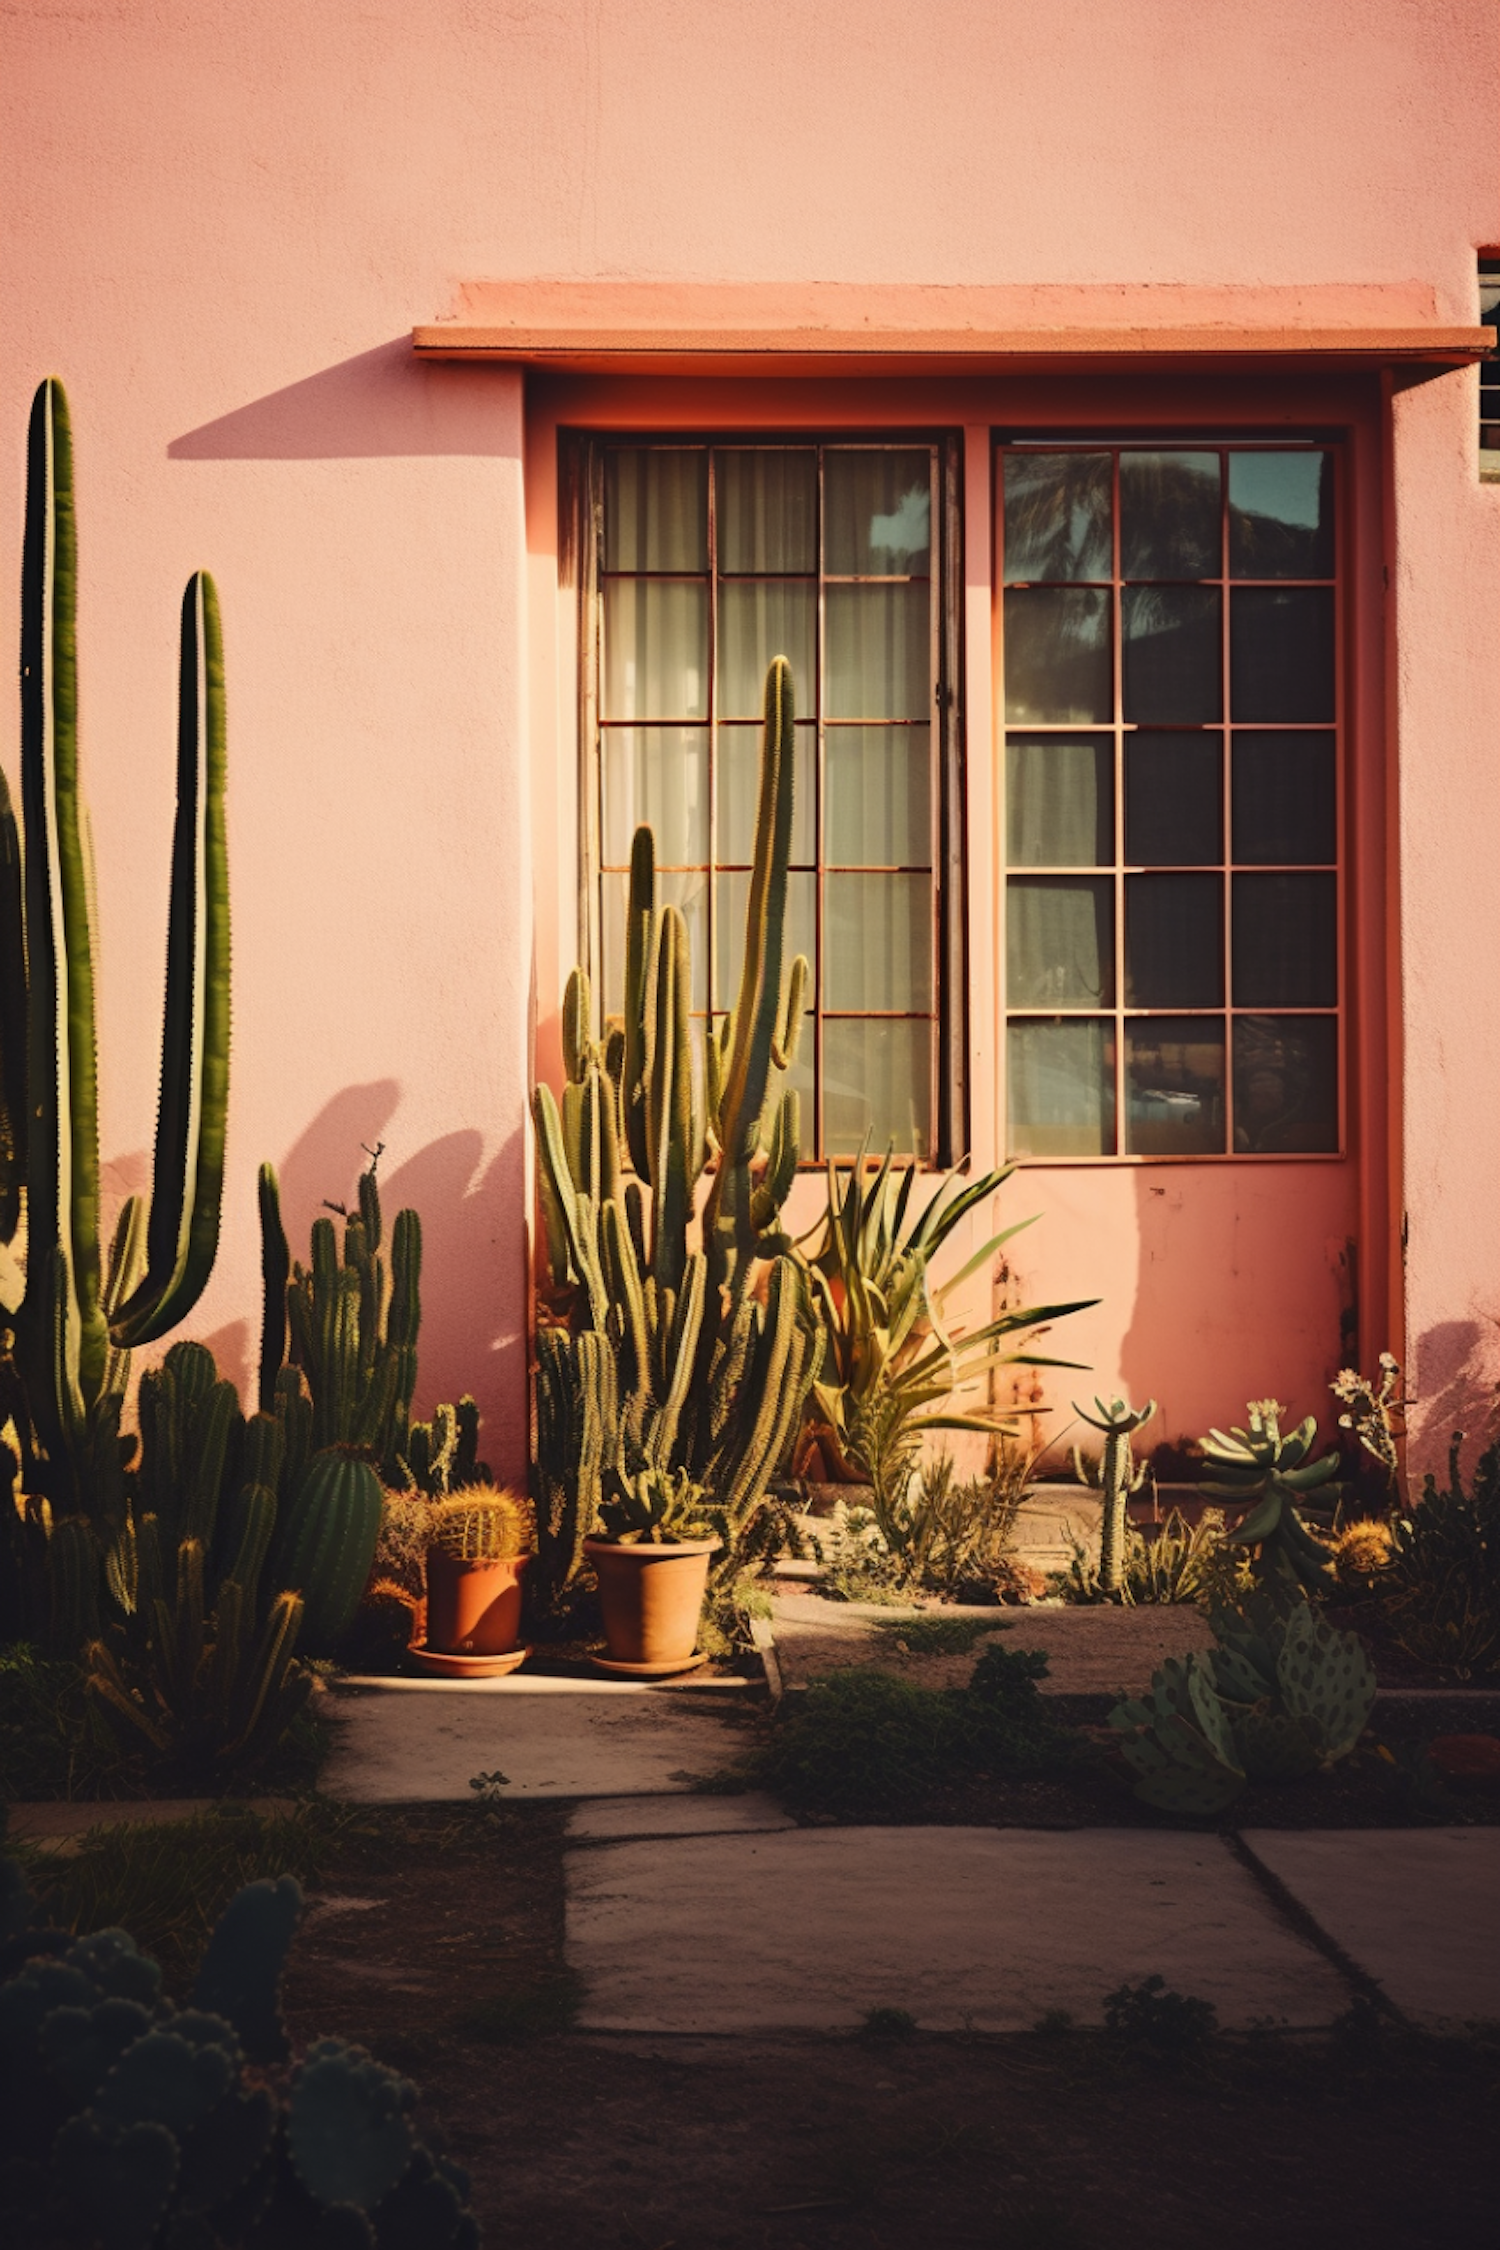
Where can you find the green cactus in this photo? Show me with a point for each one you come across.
(1270, 1474)
(1282, 1694)
(1118, 1477)
(656, 1507)
(664, 1360)
(483, 1524)
(134, 2122)
(76, 1324)
(326, 1543)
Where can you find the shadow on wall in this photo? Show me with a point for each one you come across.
(1453, 1384)
(381, 403)
(473, 1251)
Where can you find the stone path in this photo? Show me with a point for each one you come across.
(1091, 1651)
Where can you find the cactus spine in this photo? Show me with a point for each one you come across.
(1119, 1476)
(74, 1325)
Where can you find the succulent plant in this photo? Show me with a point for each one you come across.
(75, 1324)
(660, 1358)
(1271, 1474)
(134, 2123)
(654, 1508)
(1118, 1477)
(486, 1523)
(1282, 1694)
(325, 1543)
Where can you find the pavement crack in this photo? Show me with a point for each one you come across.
(1307, 1926)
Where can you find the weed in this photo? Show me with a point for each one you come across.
(523, 2012)
(490, 1788)
(168, 1882)
(1054, 2024)
(1160, 2025)
(54, 1739)
(938, 1636)
(888, 2023)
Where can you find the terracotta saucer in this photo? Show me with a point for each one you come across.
(457, 1667)
(647, 1671)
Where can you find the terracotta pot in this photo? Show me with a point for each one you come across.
(473, 1608)
(652, 1598)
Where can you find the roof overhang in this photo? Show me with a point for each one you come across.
(914, 329)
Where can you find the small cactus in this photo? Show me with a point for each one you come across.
(1270, 1474)
(487, 1523)
(1119, 1476)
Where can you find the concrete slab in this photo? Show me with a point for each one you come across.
(990, 1927)
(1091, 1651)
(1418, 1909)
(421, 1741)
(609, 1818)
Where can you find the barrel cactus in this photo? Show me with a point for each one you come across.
(486, 1523)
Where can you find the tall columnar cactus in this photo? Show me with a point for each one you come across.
(1119, 1476)
(352, 1323)
(74, 1323)
(326, 1543)
(706, 1371)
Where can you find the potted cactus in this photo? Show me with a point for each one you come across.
(481, 1544)
(651, 1558)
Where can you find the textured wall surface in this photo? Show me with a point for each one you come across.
(221, 221)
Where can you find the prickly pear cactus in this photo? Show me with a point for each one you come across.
(138, 2125)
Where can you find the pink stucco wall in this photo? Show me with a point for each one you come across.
(222, 220)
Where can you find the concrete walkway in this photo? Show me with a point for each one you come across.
(423, 1741)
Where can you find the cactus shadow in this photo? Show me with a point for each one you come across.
(324, 1163)
(1453, 1386)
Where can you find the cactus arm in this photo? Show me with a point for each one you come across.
(188, 1172)
(12, 1025)
(63, 1340)
(640, 935)
(727, 1227)
(275, 1271)
(670, 1125)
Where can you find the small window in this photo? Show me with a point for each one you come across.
(1171, 708)
(710, 559)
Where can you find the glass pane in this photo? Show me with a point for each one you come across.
(731, 897)
(655, 509)
(1061, 1079)
(1172, 655)
(1057, 657)
(759, 619)
(1060, 800)
(1169, 515)
(689, 892)
(1285, 799)
(1060, 941)
(1285, 941)
(1174, 787)
(877, 941)
(1281, 652)
(766, 509)
(655, 648)
(1286, 1083)
(877, 514)
(1057, 517)
(656, 776)
(877, 1079)
(1174, 1086)
(878, 651)
(1174, 941)
(1281, 515)
(878, 782)
(739, 788)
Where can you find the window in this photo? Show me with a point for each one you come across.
(708, 559)
(1170, 629)
(1489, 371)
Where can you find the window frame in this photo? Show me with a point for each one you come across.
(581, 454)
(1180, 436)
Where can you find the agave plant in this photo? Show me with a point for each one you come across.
(1272, 1474)
(892, 1367)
